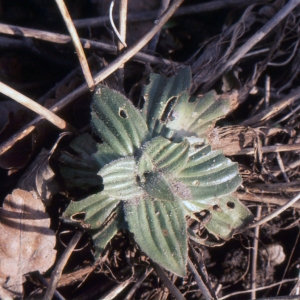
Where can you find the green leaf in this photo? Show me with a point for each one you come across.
(163, 155)
(118, 122)
(156, 185)
(159, 228)
(120, 179)
(80, 171)
(91, 212)
(193, 116)
(226, 214)
(208, 174)
(156, 167)
(160, 95)
(102, 236)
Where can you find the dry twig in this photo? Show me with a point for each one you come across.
(34, 106)
(254, 256)
(167, 282)
(77, 44)
(64, 39)
(151, 15)
(98, 77)
(56, 273)
(276, 212)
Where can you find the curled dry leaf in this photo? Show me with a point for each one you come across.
(39, 177)
(26, 242)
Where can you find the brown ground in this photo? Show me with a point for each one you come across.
(206, 41)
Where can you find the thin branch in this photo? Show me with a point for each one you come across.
(260, 198)
(163, 7)
(254, 256)
(64, 39)
(140, 44)
(121, 45)
(274, 188)
(98, 78)
(56, 273)
(273, 110)
(27, 129)
(276, 212)
(77, 44)
(252, 41)
(138, 283)
(151, 15)
(34, 106)
(261, 289)
(281, 166)
(167, 282)
(122, 24)
(267, 149)
(44, 281)
(260, 34)
(205, 291)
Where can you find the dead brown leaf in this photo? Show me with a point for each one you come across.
(26, 242)
(39, 177)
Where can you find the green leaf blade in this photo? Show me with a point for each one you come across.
(164, 155)
(95, 209)
(120, 179)
(227, 215)
(208, 174)
(118, 122)
(193, 116)
(159, 228)
(102, 236)
(160, 92)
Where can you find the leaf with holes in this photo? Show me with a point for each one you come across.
(154, 167)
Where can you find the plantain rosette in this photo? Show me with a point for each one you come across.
(156, 168)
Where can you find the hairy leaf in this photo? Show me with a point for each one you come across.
(159, 228)
(118, 122)
(163, 155)
(102, 236)
(193, 116)
(161, 94)
(156, 167)
(92, 211)
(119, 179)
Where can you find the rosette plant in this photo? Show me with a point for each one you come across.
(155, 168)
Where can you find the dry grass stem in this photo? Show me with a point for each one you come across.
(56, 273)
(260, 34)
(167, 282)
(64, 39)
(138, 283)
(120, 37)
(139, 45)
(255, 255)
(276, 212)
(151, 15)
(99, 76)
(205, 291)
(267, 149)
(273, 110)
(34, 106)
(77, 44)
(261, 289)
(228, 63)
(265, 199)
(122, 23)
(281, 166)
